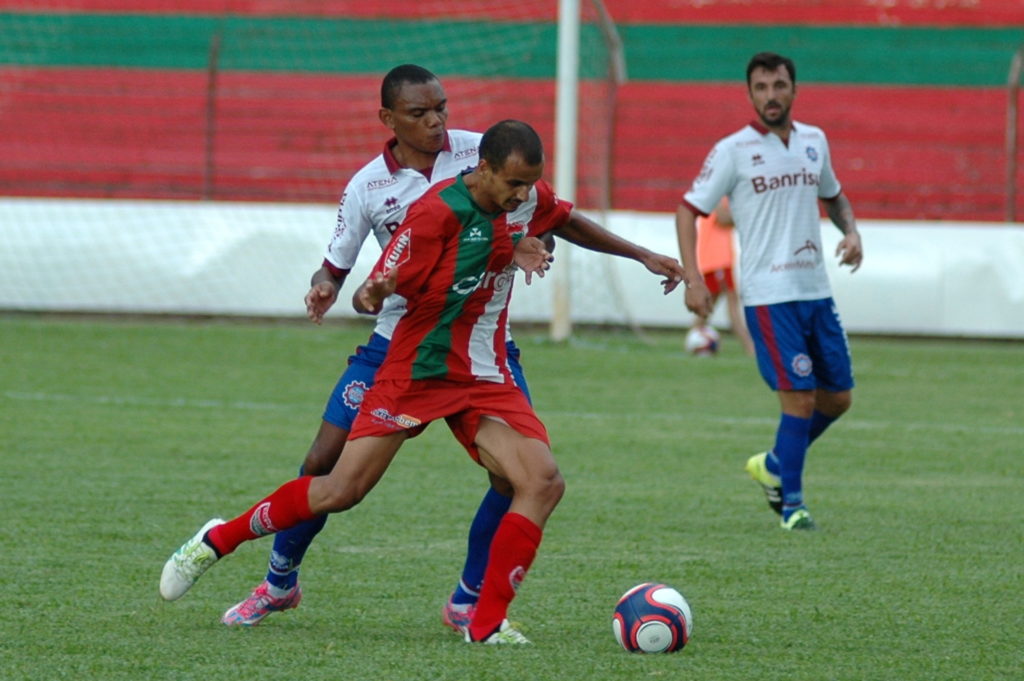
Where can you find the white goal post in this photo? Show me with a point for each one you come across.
(567, 125)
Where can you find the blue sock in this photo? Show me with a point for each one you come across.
(819, 423)
(481, 532)
(290, 548)
(791, 441)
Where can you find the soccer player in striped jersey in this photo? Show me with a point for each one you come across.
(775, 171)
(447, 359)
(423, 152)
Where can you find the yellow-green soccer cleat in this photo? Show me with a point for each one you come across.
(799, 520)
(187, 564)
(769, 482)
(505, 635)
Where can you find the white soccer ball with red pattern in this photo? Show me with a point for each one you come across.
(652, 618)
(702, 341)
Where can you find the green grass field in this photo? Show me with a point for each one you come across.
(120, 437)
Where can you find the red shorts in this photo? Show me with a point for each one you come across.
(719, 280)
(393, 406)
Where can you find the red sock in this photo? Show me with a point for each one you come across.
(286, 507)
(512, 551)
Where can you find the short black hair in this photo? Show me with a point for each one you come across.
(770, 61)
(510, 137)
(399, 76)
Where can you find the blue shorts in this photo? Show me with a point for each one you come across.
(343, 405)
(801, 345)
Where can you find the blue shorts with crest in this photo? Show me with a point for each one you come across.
(801, 345)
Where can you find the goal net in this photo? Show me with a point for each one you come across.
(186, 156)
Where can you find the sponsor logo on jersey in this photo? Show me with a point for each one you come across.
(399, 250)
(391, 204)
(380, 184)
(812, 154)
(474, 234)
(353, 394)
(764, 184)
(259, 521)
(801, 365)
(794, 265)
(499, 281)
(707, 169)
(757, 160)
(808, 246)
(465, 153)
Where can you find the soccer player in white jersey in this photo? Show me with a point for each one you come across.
(775, 171)
(422, 153)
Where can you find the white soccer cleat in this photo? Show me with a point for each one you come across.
(506, 634)
(188, 563)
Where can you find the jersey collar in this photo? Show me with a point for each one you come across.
(389, 156)
(763, 129)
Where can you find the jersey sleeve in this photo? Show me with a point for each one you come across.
(415, 248)
(352, 228)
(828, 183)
(551, 212)
(714, 181)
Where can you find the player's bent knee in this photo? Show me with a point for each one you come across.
(337, 498)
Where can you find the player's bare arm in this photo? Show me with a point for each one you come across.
(532, 257)
(323, 291)
(850, 251)
(697, 296)
(369, 297)
(586, 233)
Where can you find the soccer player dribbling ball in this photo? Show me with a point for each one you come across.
(446, 360)
(775, 171)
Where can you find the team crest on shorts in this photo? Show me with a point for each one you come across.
(801, 365)
(353, 394)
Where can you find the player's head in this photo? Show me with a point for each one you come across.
(511, 162)
(771, 86)
(414, 106)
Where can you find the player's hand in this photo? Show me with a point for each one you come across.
(532, 256)
(668, 267)
(850, 251)
(319, 300)
(698, 298)
(370, 296)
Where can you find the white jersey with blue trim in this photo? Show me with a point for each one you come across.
(376, 200)
(773, 189)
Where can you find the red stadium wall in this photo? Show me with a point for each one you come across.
(901, 151)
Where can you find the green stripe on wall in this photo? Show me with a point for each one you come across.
(896, 56)
(882, 56)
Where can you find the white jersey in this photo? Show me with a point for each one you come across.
(773, 191)
(376, 200)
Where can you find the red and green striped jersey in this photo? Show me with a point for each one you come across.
(455, 269)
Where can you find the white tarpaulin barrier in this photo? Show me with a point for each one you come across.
(256, 259)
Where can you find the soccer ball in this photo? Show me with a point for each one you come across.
(652, 618)
(702, 341)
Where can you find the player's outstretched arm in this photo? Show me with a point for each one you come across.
(698, 298)
(586, 233)
(532, 256)
(369, 297)
(850, 250)
(323, 291)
